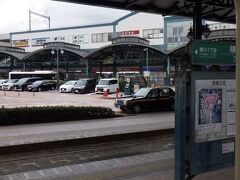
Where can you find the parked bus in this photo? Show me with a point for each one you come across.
(41, 74)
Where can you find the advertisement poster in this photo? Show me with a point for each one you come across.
(20, 43)
(210, 106)
(39, 41)
(214, 109)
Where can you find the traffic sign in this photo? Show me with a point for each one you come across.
(214, 53)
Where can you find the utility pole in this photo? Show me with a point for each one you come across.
(40, 15)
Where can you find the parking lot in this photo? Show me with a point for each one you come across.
(52, 98)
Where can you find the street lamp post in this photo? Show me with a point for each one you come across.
(61, 52)
(146, 49)
(146, 72)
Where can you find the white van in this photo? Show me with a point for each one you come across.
(109, 85)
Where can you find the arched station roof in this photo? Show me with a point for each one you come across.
(129, 43)
(75, 49)
(222, 34)
(17, 53)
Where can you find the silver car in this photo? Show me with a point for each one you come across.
(7, 86)
(2, 81)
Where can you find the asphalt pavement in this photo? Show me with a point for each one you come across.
(52, 98)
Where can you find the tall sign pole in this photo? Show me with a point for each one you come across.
(237, 137)
(29, 18)
(40, 15)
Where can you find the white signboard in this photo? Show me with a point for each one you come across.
(146, 73)
(215, 102)
(79, 39)
(40, 41)
(59, 39)
(228, 147)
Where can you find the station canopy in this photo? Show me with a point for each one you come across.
(214, 10)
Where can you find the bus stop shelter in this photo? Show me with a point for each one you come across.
(215, 10)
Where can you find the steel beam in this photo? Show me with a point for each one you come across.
(197, 20)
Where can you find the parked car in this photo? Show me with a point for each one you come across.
(7, 86)
(21, 84)
(85, 85)
(2, 81)
(109, 85)
(42, 85)
(148, 99)
(68, 86)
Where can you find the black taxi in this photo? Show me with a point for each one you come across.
(148, 99)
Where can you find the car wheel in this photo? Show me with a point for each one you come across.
(123, 109)
(136, 109)
(39, 89)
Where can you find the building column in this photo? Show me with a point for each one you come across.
(87, 73)
(197, 20)
(114, 65)
(24, 65)
(114, 34)
(237, 136)
(168, 71)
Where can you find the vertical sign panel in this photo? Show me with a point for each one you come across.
(214, 109)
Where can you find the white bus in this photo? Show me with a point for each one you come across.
(41, 74)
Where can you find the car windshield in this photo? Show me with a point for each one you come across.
(103, 82)
(12, 80)
(81, 83)
(70, 83)
(143, 92)
(37, 83)
(23, 80)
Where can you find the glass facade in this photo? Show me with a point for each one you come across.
(153, 33)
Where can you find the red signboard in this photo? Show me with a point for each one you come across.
(129, 33)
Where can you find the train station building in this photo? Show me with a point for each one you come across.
(137, 43)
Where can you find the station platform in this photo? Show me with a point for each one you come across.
(151, 166)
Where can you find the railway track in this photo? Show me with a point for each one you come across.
(80, 152)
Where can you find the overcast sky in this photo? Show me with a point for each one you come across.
(14, 14)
